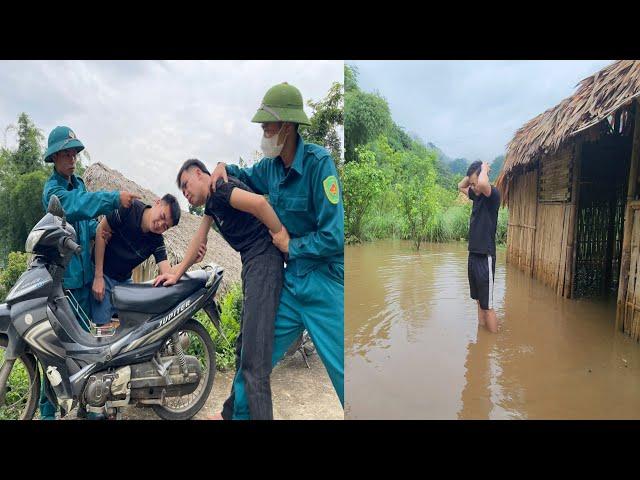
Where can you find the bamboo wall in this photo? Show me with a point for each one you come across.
(631, 306)
(551, 244)
(628, 305)
(522, 221)
(541, 218)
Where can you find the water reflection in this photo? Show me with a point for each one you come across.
(413, 348)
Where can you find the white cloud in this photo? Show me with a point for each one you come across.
(144, 118)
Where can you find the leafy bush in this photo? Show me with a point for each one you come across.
(16, 265)
(231, 306)
(503, 222)
(363, 182)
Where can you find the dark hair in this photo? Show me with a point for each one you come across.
(192, 162)
(475, 167)
(174, 206)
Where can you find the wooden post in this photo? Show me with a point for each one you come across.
(535, 221)
(573, 222)
(623, 283)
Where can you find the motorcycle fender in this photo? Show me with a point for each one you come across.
(29, 313)
(5, 318)
(15, 345)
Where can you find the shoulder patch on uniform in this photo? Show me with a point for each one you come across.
(331, 189)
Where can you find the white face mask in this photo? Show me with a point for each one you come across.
(270, 147)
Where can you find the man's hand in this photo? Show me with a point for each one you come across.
(281, 239)
(220, 172)
(166, 279)
(126, 198)
(106, 235)
(202, 251)
(98, 288)
(486, 167)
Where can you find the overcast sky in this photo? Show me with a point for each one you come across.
(144, 118)
(471, 109)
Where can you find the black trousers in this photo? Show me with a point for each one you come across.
(262, 279)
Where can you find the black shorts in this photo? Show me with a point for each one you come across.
(482, 270)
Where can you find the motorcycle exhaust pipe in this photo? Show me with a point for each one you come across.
(4, 377)
(214, 316)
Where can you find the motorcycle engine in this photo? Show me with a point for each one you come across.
(108, 385)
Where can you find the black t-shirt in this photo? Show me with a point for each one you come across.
(129, 245)
(483, 222)
(244, 232)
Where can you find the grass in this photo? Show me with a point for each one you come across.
(231, 306)
(452, 224)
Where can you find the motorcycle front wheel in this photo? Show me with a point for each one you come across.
(23, 387)
(200, 346)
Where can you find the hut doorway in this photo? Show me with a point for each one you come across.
(604, 171)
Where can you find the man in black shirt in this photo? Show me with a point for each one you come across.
(244, 220)
(482, 240)
(135, 233)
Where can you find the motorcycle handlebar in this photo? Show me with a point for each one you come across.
(71, 245)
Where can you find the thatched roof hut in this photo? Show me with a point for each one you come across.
(570, 179)
(99, 177)
(599, 97)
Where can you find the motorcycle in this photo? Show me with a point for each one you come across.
(159, 356)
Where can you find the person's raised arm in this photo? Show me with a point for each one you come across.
(463, 186)
(79, 205)
(483, 180)
(190, 256)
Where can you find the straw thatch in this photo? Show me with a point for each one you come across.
(176, 239)
(597, 97)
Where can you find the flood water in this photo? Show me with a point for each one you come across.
(413, 349)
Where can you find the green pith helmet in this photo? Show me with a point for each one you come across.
(61, 138)
(282, 103)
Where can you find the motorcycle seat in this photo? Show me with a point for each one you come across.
(145, 298)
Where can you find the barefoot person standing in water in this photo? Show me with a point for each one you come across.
(482, 240)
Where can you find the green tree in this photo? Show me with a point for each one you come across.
(327, 117)
(418, 194)
(199, 211)
(459, 166)
(496, 168)
(28, 156)
(366, 115)
(350, 78)
(363, 181)
(16, 265)
(22, 178)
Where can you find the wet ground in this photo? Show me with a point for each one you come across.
(413, 349)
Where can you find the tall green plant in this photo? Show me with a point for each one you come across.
(363, 183)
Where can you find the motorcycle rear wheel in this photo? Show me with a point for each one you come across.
(202, 347)
(23, 387)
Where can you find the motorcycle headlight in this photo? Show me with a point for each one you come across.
(32, 240)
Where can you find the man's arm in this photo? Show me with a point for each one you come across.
(463, 186)
(256, 205)
(190, 255)
(164, 267)
(255, 176)
(483, 180)
(100, 246)
(79, 205)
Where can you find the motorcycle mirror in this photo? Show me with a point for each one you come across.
(55, 207)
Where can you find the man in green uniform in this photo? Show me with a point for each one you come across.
(81, 208)
(302, 183)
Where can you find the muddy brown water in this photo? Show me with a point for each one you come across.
(413, 349)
